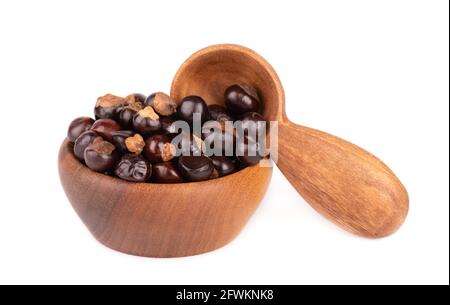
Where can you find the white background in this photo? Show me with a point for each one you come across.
(373, 72)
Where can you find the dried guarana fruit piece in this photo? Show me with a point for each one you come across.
(133, 168)
(214, 132)
(105, 128)
(119, 137)
(148, 112)
(195, 168)
(135, 144)
(191, 105)
(146, 121)
(166, 172)
(219, 113)
(101, 156)
(135, 103)
(78, 126)
(128, 141)
(107, 106)
(224, 165)
(162, 103)
(83, 141)
(135, 138)
(248, 151)
(136, 99)
(158, 148)
(242, 98)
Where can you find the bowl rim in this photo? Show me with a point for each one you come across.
(67, 150)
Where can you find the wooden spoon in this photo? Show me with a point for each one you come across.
(343, 182)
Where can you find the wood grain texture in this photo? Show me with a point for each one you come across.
(162, 220)
(343, 182)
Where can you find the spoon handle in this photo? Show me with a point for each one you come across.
(342, 181)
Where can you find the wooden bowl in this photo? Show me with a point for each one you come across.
(172, 220)
(162, 220)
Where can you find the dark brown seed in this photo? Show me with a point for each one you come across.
(248, 151)
(218, 139)
(166, 172)
(125, 114)
(191, 105)
(219, 113)
(241, 98)
(133, 168)
(83, 141)
(162, 103)
(105, 128)
(239, 165)
(195, 168)
(119, 137)
(107, 106)
(158, 148)
(125, 117)
(146, 121)
(77, 127)
(188, 145)
(224, 165)
(168, 125)
(253, 125)
(101, 156)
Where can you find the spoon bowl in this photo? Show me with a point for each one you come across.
(209, 72)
